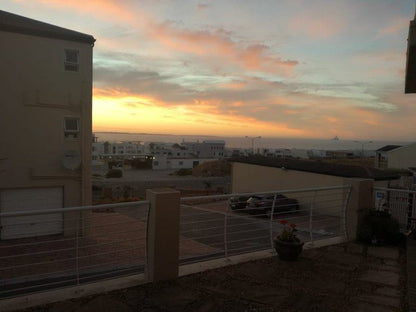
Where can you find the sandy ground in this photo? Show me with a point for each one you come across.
(140, 180)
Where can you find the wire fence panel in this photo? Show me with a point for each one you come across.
(96, 243)
(400, 203)
(226, 225)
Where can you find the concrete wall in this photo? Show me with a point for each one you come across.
(37, 94)
(255, 178)
(403, 157)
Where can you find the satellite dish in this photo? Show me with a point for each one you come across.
(71, 160)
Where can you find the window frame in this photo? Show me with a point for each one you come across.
(68, 64)
(70, 133)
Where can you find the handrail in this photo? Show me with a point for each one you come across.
(395, 190)
(329, 188)
(71, 209)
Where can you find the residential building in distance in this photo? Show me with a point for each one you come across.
(206, 149)
(45, 124)
(381, 158)
(258, 174)
(403, 157)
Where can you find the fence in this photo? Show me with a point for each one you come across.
(94, 243)
(225, 225)
(400, 203)
(156, 236)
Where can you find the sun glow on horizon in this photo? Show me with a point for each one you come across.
(119, 110)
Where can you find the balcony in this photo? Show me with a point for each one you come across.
(127, 244)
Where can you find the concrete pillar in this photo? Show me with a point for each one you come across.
(163, 234)
(361, 197)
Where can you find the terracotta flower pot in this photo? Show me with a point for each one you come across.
(288, 251)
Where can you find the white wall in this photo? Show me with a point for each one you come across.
(163, 162)
(403, 157)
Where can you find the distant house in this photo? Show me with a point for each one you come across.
(207, 148)
(163, 162)
(381, 159)
(403, 157)
(45, 124)
(259, 174)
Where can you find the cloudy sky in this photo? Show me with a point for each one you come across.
(276, 68)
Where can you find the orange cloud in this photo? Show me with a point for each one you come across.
(204, 43)
(95, 8)
(214, 45)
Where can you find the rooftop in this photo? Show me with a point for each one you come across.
(19, 24)
(388, 148)
(321, 167)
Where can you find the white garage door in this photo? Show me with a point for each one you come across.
(27, 200)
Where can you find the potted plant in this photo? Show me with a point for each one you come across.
(287, 245)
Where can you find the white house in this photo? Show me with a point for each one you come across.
(207, 148)
(162, 162)
(403, 157)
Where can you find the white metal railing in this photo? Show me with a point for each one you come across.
(77, 245)
(400, 203)
(219, 226)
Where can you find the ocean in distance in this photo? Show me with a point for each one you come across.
(243, 142)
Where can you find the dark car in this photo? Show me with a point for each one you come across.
(262, 204)
(238, 202)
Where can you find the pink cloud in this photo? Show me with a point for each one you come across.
(218, 45)
(212, 45)
(96, 8)
(318, 24)
(395, 26)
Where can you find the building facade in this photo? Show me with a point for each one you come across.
(45, 123)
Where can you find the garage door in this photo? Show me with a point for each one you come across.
(27, 200)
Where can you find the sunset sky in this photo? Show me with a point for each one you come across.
(275, 68)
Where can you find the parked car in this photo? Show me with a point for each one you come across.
(238, 202)
(262, 204)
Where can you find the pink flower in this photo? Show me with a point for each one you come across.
(292, 225)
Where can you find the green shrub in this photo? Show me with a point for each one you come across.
(114, 173)
(378, 227)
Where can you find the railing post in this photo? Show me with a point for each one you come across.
(271, 222)
(361, 197)
(311, 215)
(77, 248)
(163, 234)
(225, 233)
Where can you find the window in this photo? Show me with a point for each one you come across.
(71, 127)
(71, 60)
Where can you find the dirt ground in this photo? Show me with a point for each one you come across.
(140, 180)
(345, 277)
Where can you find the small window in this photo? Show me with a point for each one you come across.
(71, 128)
(71, 60)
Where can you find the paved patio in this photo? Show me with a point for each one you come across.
(345, 277)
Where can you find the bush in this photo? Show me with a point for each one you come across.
(378, 227)
(216, 168)
(114, 173)
(184, 172)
